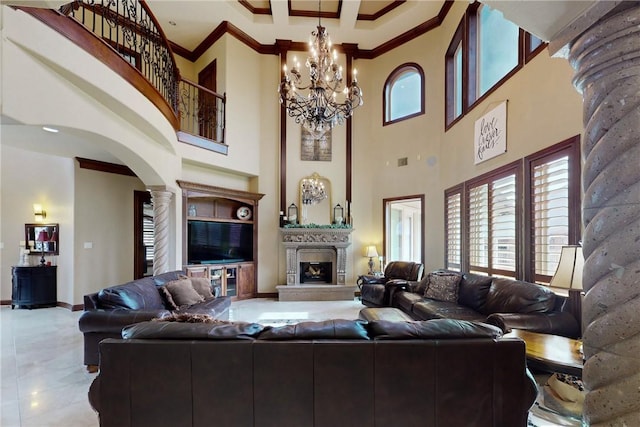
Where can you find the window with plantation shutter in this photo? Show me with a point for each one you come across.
(493, 224)
(453, 227)
(553, 206)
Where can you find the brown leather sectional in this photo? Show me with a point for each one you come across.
(323, 374)
(507, 303)
(113, 308)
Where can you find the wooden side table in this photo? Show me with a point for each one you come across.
(551, 353)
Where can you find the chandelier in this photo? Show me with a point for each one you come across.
(319, 110)
(312, 191)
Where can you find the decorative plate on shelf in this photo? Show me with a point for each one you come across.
(243, 213)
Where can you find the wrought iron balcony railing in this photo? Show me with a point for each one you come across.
(130, 28)
(202, 113)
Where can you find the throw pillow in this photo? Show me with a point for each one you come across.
(183, 293)
(202, 285)
(168, 299)
(443, 287)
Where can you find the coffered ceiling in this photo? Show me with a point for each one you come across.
(367, 23)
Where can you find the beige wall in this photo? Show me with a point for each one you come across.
(543, 108)
(29, 178)
(103, 212)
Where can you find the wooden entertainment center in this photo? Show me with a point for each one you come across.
(227, 253)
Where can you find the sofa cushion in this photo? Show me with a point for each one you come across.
(473, 290)
(516, 296)
(443, 286)
(202, 285)
(406, 300)
(215, 307)
(433, 309)
(183, 293)
(327, 329)
(219, 330)
(431, 329)
(136, 295)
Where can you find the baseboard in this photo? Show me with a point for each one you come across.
(76, 307)
(267, 295)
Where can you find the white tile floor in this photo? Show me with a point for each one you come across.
(43, 380)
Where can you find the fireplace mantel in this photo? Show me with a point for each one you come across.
(303, 241)
(317, 235)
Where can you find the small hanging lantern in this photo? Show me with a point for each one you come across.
(338, 215)
(292, 213)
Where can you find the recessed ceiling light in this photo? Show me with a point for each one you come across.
(49, 129)
(172, 23)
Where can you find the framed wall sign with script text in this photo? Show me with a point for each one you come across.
(490, 136)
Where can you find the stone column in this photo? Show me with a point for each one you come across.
(606, 59)
(161, 200)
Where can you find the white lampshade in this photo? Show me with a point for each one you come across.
(371, 252)
(569, 272)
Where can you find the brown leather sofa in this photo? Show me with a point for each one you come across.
(373, 291)
(506, 303)
(323, 374)
(111, 309)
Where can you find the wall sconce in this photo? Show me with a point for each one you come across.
(39, 213)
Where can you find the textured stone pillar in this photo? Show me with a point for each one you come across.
(606, 59)
(161, 200)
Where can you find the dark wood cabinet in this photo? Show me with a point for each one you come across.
(224, 224)
(34, 286)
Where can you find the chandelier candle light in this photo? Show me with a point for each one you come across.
(319, 111)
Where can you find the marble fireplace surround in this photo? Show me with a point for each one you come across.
(316, 244)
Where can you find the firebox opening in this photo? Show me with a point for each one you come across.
(316, 272)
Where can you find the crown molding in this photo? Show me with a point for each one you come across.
(274, 49)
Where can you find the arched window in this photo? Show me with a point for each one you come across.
(403, 94)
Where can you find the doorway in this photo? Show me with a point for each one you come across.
(143, 232)
(404, 228)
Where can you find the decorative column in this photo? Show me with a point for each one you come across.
(161, 200)
(606, 59)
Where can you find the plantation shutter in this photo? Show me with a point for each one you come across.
(493, 225)
(551, 214)
(454, 231)
(503, 225)
(479, 228)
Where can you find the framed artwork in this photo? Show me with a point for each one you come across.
(312, 148)
(490, 134)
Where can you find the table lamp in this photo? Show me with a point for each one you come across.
(371, 253)
(42, 237)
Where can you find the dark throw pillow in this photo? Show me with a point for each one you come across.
(443, 287)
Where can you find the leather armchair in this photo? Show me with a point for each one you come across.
(377, 291)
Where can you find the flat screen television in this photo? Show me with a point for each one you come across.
(210, 242)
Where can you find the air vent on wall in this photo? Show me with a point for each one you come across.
(403, 161)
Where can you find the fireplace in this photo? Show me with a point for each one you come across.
(316, 272)
(316, 264)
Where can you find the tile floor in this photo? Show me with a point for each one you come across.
(43, 380)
